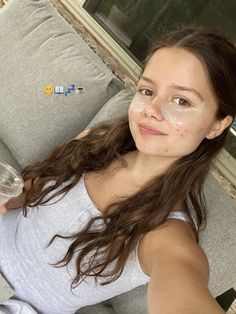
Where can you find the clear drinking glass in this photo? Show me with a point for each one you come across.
(11, 183)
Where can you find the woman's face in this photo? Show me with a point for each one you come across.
(173, 95)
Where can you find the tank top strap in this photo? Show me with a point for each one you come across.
(177, 214)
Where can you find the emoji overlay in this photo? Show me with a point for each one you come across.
(59, 89)
(48, 90)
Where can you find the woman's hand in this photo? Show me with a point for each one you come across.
(3, 209)
(17, 202)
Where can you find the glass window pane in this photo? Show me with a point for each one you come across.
(136, 23)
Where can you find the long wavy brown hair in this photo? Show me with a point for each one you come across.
(124, 222)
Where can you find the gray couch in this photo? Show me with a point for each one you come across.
(38, 48)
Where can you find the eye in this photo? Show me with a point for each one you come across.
(145, 91)
(182, 101)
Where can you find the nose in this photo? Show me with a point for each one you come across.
(153, 109)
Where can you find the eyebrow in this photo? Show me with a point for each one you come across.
(188, 89)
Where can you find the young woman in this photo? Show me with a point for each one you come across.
(121, 205)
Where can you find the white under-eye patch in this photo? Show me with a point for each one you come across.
(172, 111)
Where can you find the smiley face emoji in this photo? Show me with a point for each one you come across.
(48, 89)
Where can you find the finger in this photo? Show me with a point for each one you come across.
(3, 209)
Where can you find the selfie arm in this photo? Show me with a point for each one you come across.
(179, 279)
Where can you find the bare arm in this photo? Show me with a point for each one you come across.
(179, 277)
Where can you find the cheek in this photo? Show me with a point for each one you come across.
(134, 118)
(183, 131)
(190, 131)
(133, 114)
(187, 137)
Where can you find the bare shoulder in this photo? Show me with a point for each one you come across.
(85, 132)
(82, 134)
(174, 240)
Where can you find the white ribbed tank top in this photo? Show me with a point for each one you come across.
(25, 259)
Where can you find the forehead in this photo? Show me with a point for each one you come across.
(179, 66)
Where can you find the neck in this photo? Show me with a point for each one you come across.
(141, 167)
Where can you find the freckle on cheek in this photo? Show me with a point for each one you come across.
(184, 131)
(166, 150)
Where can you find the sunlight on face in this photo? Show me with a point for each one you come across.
(177, 99)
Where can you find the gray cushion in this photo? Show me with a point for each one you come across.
(101, 308)
(219, 237)
(113, 108)
(132, 302)
(38, 47)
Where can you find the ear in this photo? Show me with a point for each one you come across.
(218, 127)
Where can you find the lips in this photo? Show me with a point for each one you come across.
(151, 129)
